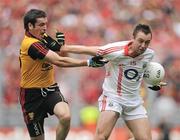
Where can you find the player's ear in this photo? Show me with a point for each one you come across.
(30, 26)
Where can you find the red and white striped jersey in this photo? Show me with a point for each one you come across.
(123, 73)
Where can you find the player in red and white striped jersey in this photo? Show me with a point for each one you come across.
(121, 87)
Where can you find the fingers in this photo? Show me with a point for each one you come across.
(57, 30)
(163, 84)
(158, 87)
(60, 37)
(104, 60)
(155, 88)
(100, 59)
(60, 34)
(96, 61)
(45, 35)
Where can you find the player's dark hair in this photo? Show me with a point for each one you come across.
(142, 28)
(31, 16)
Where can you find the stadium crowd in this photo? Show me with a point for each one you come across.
(94, 22)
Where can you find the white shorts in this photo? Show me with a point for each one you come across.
(126, 112)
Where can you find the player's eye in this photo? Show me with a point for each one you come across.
(140, 41)
(147, 42)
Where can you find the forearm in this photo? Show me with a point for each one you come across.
(70, 62)
(59, 61)
(80, 49)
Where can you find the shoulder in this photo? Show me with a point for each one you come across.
(119, 43)
(27, 42)
(149, 54)
(149, 51)
(114, 50)
(115, 45)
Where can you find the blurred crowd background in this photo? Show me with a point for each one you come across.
(93, 22)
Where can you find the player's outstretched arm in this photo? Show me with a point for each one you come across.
(59, 61)
(80, 49)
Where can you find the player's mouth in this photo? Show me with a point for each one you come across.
(42, 34)
(140, 51)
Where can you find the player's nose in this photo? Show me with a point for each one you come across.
(143, 45)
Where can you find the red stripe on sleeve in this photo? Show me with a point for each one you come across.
(108, 50)
(38, 46)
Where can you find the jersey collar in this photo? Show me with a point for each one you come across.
(126, 48)
(30, 35)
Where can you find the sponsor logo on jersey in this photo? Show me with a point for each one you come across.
(46, 66)
(31, 116)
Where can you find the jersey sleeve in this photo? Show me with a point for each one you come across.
(110, 52)
(150, 55)
(37, 51)
(54, 48)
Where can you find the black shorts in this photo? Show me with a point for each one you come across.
(37, 103)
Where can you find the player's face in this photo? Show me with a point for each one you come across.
(141, 43)
(40, 28)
